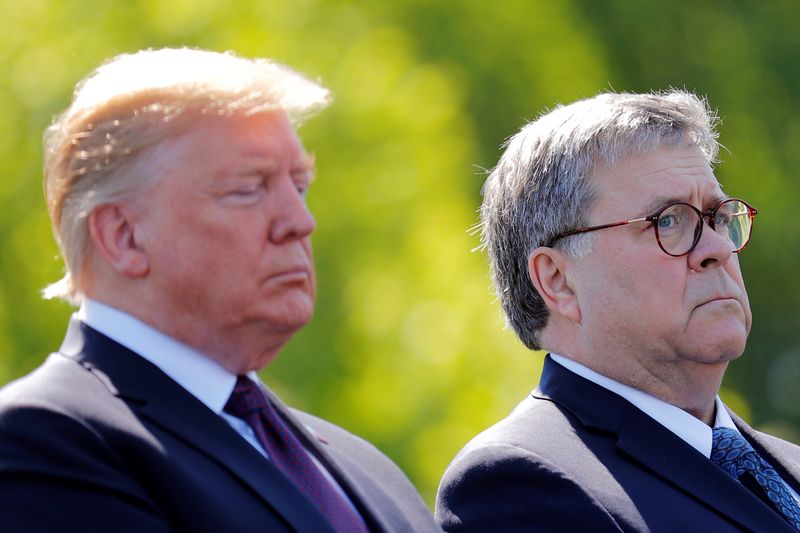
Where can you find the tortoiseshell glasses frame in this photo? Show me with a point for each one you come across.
(679, 226)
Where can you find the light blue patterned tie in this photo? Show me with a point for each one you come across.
(731, 452)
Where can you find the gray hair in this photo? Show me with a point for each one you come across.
(541, 186)
(103, 148)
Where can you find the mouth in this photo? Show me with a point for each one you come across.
(294, 275)
(298, 274)
(719, 300)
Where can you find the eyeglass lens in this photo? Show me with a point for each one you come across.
(678, 227)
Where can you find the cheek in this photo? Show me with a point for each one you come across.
(306, 244)
(207, 254)
(666, 284)
(647, 284)
(735, 272)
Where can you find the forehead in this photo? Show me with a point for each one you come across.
(639, 181)
(218, 141)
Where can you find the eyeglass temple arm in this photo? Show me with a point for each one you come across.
(651, 218)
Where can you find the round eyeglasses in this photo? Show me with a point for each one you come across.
(679, 226)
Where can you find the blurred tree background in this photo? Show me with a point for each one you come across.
(408, 347)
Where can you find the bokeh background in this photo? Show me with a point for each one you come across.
(408, 347)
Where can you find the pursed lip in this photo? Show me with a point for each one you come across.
(720, 298)
(290, 275)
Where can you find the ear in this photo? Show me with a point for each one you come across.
(550, 273)
(114, 232)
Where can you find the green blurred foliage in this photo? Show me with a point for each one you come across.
(408, 347)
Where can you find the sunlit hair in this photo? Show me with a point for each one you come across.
(104, 147)
(542, 185)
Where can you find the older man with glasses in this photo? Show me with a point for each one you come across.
(626, 431)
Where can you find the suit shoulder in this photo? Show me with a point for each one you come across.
(330, 432)
(776, 448)
(504, 487)
(784, 446)
(535, 425)
(374, 473)
(60, 385)
(529, 456)
(352, 447)
(46, 387)
(778, 451)
(528, 437)
(55, 461)
(63, 421)
(48, 416)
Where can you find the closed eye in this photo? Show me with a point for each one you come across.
(302, 180)
(250, 194)
(302, 187)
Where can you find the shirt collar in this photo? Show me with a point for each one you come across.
(688, 428)
(200, 375)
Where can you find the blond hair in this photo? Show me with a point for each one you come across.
(100, 149)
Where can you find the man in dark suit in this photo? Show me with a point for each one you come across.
(176, 185)
(613, 247)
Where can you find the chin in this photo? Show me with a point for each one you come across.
(292, 311)
(289, 320)
(719, 340)
(719, 351)
(259, 364)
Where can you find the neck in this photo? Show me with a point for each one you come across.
(692, 387)
(238, 349)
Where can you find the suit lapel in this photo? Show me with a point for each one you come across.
(157, 398)
(318, 446)
(669, 457)
(656, 448)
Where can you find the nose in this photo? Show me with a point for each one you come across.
(712, 250)
(291, 217)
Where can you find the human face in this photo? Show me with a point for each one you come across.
(227, 232)
(649, 313)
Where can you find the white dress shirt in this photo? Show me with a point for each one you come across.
(691, 430)
(201, 376)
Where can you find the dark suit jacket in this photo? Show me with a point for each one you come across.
(99, 439)
(576, 457)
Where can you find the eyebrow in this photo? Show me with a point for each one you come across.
(307, 162)
(663, 201)
(259, 163)
(658, 203)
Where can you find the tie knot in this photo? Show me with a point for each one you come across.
(729, 449)
(727, 439)
(246, 398)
